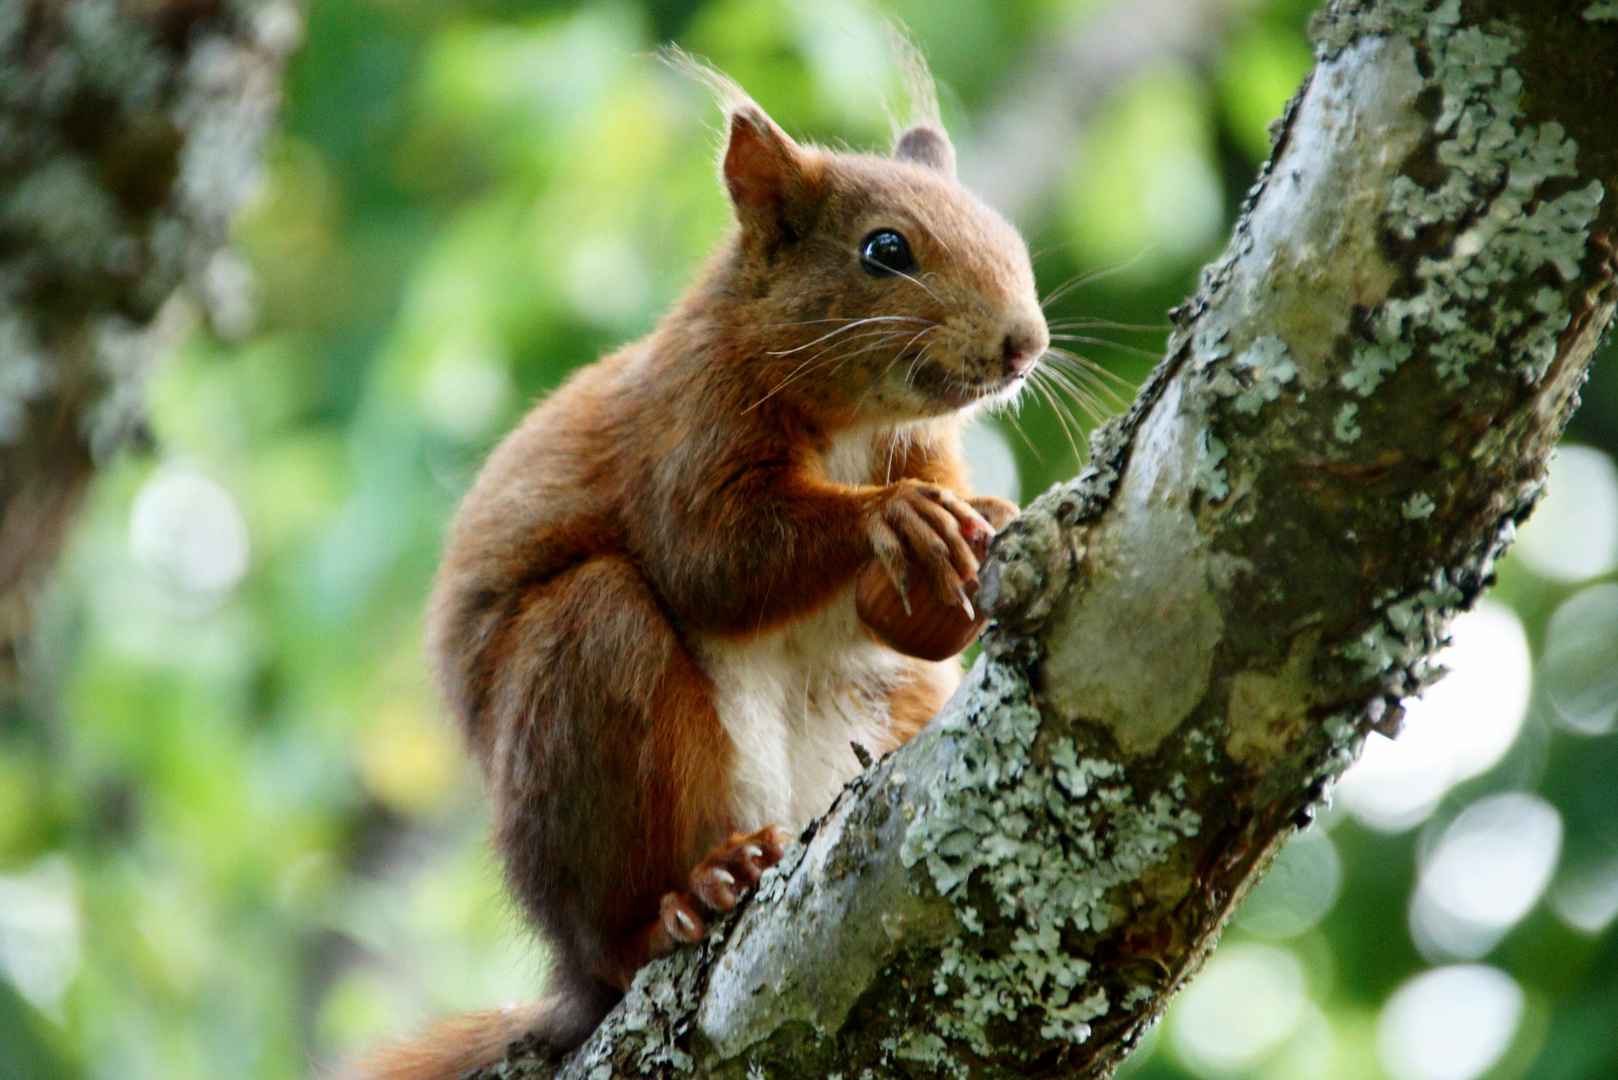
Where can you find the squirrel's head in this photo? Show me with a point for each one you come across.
(890, 292)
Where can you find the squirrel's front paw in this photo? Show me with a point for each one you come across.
(934, 530)
(717, 883)
(934, 618)
(999, 512)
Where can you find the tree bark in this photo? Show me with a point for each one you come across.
(129, 136)
(1193, 637)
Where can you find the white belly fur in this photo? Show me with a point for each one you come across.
(793, 700)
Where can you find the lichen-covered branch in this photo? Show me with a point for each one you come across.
(129, 135)
(1193, 637)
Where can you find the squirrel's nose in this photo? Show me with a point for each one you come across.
(1019, 350)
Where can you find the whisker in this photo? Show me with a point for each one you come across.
(1074, 282)
(923, 352)
(1082, 362)
(1098, 398)
(1083, 323)
(812, 322)
(1011, 418)
(877, 334)
(1074, 387)
(917, 283)
(910, 373)
(897, 356)
(1078, 281)
(1092, 373)
(873, 346)
(1092, 405)
(1062, 417)
(1081, 400)
(939, 240)
(881, 336)
(1082, 340)
(844, 329)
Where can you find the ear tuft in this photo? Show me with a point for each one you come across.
(927, 145)
(762, 165)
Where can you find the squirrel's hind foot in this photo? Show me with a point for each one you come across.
(716, 885)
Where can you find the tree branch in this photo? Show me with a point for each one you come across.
(1193, 637)
(129, 135)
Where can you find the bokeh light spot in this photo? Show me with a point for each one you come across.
(608, 282)
(1452, 1023)
(1490, 867)
(1573, 533)
(39, 931)
(1298, 891)
(409, 761)
(465, 391)
(187, 533)
(1585, 896)
(1247, 1001)
(1148, 190)
(1458, 729)
(1580, 665)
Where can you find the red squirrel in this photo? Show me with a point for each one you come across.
(646, 622)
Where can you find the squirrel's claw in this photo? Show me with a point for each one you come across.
(890, 553)
(996, 511)
(717, 883)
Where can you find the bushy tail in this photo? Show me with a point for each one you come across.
(478, 1040)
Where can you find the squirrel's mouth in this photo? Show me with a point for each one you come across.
(960, 390)
(973, 391)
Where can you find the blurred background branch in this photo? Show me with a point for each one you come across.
(129, 137)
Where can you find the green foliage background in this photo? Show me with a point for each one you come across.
(264, 846)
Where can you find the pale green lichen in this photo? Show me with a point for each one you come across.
(1602, 10)
(928, 1049)
(1210, 343)
(1513, 213)
(1418, 507)
(773, 885)
(1050, 843)
(1256, 376)
(1136, 996)
(1339, 727)
(1407, 631)
(655, 1014)
(1200, 742)
(1210, 478)
(1344, 429)
(1373, 362)
(1497, 164)
(1345, 741)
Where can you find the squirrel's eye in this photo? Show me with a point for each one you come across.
(885, 252)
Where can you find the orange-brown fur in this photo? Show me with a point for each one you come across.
(676, 500)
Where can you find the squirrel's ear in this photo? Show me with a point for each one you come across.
(927, 145)
(763, 170)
